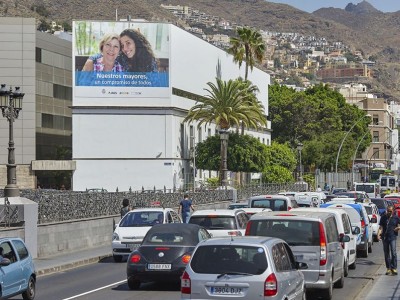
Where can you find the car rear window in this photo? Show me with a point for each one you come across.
(294, 232)
(142, 218)
(274, 204)
(220, 259)
(214, 222)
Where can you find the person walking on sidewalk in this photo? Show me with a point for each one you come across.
(184, 206)
(389, 227)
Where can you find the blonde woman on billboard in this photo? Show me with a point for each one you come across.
(106, 60)
(136, 54)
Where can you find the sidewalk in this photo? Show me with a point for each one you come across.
(71, 260)
(387, 287)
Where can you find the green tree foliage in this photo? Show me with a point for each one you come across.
(277, 174)
(245, 154)
(318, 117)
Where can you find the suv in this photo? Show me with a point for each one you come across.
(245, 268)
(132, 228)
(273, 202)
(344, 227)
(18, 274)
(314, 240)
(221, 222)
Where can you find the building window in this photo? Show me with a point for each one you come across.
(375, 119)
(209, 132)
(62, 92)
(38, 53)
(191, 137)
(375, 137)
(199, 135)
(375, 153)
(182, 138)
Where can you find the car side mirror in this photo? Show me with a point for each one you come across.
(356, 230)
(301, 265)
(344, 238)
(5, 262)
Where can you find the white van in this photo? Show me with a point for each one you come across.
(370, 188)
(387, 182)
(309, 199)
(344, 227)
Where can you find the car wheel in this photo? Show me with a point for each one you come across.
(375, 238)
(117, 258)
(133, 283)
(353, 266)
(346, 268)
(369, 248)
(327, 293)
(340, 283)
(364, 253)
(29, 294)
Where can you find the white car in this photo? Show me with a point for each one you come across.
(221, 222)
(374, 217)
(130, 231)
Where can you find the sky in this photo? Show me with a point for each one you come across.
(313, 5)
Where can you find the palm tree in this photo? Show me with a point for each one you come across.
(228, 104)
(248, 46)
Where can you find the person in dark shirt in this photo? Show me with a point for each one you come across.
(388, 231)
(184, 206)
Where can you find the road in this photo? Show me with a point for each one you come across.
(107, 280)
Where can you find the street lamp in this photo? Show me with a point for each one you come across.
(341, 145)
(300, 148)
(224, 136)
(11, 104)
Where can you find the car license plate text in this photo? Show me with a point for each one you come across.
(159, 266)
(133, 246)
(226, 290)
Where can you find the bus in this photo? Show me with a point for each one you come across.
(375, 173)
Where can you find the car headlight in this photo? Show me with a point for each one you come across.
(115, 236)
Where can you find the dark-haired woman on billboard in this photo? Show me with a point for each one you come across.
(136, 54)
(106, 60)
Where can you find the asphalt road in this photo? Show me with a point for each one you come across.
(107, 280)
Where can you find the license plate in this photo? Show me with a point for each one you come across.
(159, 266)
(133, 246)
(216, 290)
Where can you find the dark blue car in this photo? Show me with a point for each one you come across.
(381, 203)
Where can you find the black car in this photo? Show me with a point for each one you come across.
(164, 253)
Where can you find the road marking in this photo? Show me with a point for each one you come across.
(95, 290)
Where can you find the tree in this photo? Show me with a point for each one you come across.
(228, 104)
(281, 161)
(248, 46)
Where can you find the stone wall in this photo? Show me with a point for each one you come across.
(26, 178)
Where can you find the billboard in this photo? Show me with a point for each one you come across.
(120, 59)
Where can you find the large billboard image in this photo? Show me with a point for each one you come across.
(120, 59)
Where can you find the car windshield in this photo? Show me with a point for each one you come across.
(214, 222)
(365, 188)
(222, 259)
(294, 232)
(379, 203)
(140, 219)
(368, 209)
(237, 205)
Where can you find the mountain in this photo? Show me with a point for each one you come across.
(361, 26)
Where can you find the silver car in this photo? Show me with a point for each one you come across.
(243, 268)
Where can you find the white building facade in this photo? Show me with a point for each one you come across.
(133, 138)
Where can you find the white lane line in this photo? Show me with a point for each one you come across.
(95, 290)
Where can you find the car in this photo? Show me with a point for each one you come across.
(374, 217)
(359, 219)
(314, 239)
(273, 202)
(381, 203)
(17, 270)
(243, 268)
(238, 205)
(131, 229)
(358, 195)
(164, 253)
(338, 190)
(221, 222)
(253, 210)
(344, 227)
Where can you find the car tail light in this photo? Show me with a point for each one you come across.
(248, 226)
(362, 226)
(234, 233)
(289, 208)
(135, 258)
(162, 248)
(322, 244)
(341, 238)
(186, 258)
(185, 284)
(271, 286)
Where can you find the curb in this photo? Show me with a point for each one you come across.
(71, 265)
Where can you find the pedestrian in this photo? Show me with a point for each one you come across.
(319, 189)
(326, 187)
(389, 227)
(125, 207)
(184, 207)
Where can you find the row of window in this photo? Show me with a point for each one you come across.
(56, 122)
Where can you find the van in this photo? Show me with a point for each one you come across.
(309, 199)
(273, 202)
(387, 183)
(344, 227)
(314, 239)
(370, 188)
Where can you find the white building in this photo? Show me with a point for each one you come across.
(134, 137)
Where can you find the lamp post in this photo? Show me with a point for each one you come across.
(11, 104)
(300, 148)
(224, 136)
(341, 145)
(355, 153)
